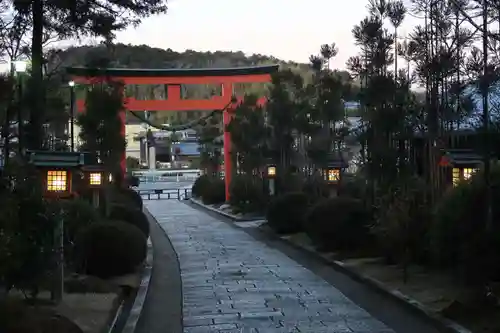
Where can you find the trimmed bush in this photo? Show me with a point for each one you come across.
(316, 188)
(124, 196)
(353, 186)
(247, 194)
(401, 222)
(111, 248)
(286, 214)
(289, 183)
(133, 196)
(132, 180)
(339, 223)
(200, 186)
(76, 214)
(215, 193)
(459, 236)
(130, 215)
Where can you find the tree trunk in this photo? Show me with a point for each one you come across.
(35, 132)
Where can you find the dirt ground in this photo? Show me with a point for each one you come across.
(91, 312)
(437, 291)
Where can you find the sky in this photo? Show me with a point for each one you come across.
(287, 29)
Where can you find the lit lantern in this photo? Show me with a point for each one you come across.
(271, 175)
(95, 177)
(461, 163)
(58, 181)
(57, 170)
(333, 172)
(333, 175)
(271, 171)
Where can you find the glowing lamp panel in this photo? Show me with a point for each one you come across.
(456, 176)
(333, 175)
(468, 172)
(271, 171)
(460, 174)
(95, 178)
(57, 181)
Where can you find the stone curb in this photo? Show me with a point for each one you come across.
(439, 321)
(220, 212)
(117, 315)
(140, 298)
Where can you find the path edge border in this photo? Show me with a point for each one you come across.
(155, 220)
(228, 215)
(142, 291)
(415, 306)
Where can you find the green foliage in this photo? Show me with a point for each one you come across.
(130, 215)
(100, 125)
(248, 135)
(402, 220)
(111, 248)
(338, 224)
(316, 188)
(132, 180)
(459, 236)
(289, 182)
(201, 185)
(247, 194)
(215, 193)
(132, 196)
(210, 144)
(122, 196)
(211, 190)
(354, 186)
(143, 56)
(26, 231)
(76, 214)
(286, 113)
(132, 163)
(286, 213)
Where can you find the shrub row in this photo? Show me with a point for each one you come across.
(339, 223)
(210, 190)
(401, 226)
(111, 245)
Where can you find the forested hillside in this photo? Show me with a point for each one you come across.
(143, 56)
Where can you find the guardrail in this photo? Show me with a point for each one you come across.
(165, 194)
(153, 176)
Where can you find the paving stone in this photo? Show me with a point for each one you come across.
(233, 283)
(188, 322)
(264, 314)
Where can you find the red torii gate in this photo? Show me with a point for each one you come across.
(174, 78)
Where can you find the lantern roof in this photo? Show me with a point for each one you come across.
(57, 158)
(336, 160)
(460, 157)
(94, 168)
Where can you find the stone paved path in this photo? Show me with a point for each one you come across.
(234, 283)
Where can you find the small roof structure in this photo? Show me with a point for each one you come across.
(57, 158)
(460, 157)
(336, 160)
